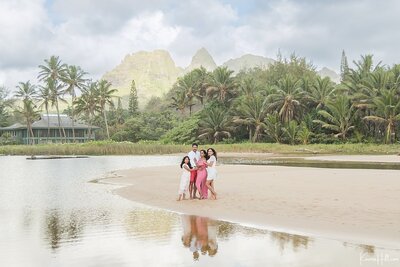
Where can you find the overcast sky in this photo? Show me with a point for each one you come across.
(97, 34)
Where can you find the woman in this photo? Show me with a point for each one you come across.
(211, 171)
(202, 175)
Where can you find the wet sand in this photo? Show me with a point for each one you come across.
(359, 206)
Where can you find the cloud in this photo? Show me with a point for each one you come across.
(98, 34)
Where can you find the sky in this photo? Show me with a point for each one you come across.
(97, 34)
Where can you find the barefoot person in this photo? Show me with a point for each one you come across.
(185, 177)
(211, 171)
(194, 156)
(202, 175)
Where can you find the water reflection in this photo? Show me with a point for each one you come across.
(199, 235)
(296, 241)
(62, 229)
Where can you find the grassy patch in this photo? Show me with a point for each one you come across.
(153, 148)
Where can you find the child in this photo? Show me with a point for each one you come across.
(185, 177)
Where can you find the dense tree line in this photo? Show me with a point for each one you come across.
(287, 102)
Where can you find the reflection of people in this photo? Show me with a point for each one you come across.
(194, 156)
(199, 235)
(211, 171)
(202, 175)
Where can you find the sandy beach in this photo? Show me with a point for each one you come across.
(359, 206)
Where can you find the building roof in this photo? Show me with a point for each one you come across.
(52, 122)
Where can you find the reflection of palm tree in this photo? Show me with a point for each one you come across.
(284, 239)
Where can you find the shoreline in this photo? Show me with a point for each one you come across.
(350, 205)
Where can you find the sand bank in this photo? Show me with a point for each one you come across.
(360, 206)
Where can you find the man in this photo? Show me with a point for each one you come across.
(194, 156)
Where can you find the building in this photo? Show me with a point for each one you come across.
(46, 130)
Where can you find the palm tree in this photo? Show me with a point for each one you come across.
(29, 112)
(27, 92)
(248, 88)
(56, 95)
(53, 69)
(180, 101)
(222, 86)
(216, 124)
(52, 73)
(387, 107)
(74, 79)
(287, 99)
(320, 92)
(291, 131)
(105, 95)
(273, 127)
(252, 112)
(44, 98)
(339, 116)
(88, 103)
(203, 82)
(188, 84)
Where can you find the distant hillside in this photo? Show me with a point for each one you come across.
(154, 73)
(247, 62)
(202, 59)
(325, 72)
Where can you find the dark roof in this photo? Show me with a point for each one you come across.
(51, 121)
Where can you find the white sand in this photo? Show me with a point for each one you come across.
(360, 206)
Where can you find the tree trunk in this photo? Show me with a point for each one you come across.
(48, 124)
(105, 120)
(59, 124)
(33, 136)
(73, 120)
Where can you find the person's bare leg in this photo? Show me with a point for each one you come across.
(191, 190)
(212, 185)
(208, 184)
(194, 190)
(179, 198)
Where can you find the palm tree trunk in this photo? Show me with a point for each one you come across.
(33, 136)
(48, 124)
(59, 123)
(73, 120)
(105, 120)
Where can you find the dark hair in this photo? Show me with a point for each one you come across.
(214, 152)
(195, 144)
(205, 152)
(183, 162)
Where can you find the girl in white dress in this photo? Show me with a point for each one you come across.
(185, 178)
(211, 171)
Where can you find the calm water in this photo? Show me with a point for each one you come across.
(50, 215)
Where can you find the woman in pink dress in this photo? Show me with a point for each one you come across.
(202, 175)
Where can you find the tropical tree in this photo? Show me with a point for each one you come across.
(203, 82)
(189, 84)
(252, 113)
(338, 117)
(105, 95)
(273, 127)
(44, 98)
(56, 91)
(387, 109)
(133, 106)
(215, 124)
(179, 101)
(304, 134)
(88, 103)
(222, 86)
(6, 102)
(291, 131)
(52, 69)
(287, 100)
(321, 92)
(29, 112)
(74, 78)
(248, 87)
(27, 92)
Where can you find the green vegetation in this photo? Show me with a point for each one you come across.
(287, 103)
(153, 148)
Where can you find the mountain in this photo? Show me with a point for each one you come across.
(248, 61)
(325, 72)
(202, 58)
(154, 74)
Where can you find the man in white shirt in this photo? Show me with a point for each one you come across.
(194, 156)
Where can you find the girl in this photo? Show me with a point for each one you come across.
(202, 175)
(212, 171)
(185, 177)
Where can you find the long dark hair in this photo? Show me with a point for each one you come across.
(183, 162)
(214, 152)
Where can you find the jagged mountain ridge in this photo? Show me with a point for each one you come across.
(155, 72)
